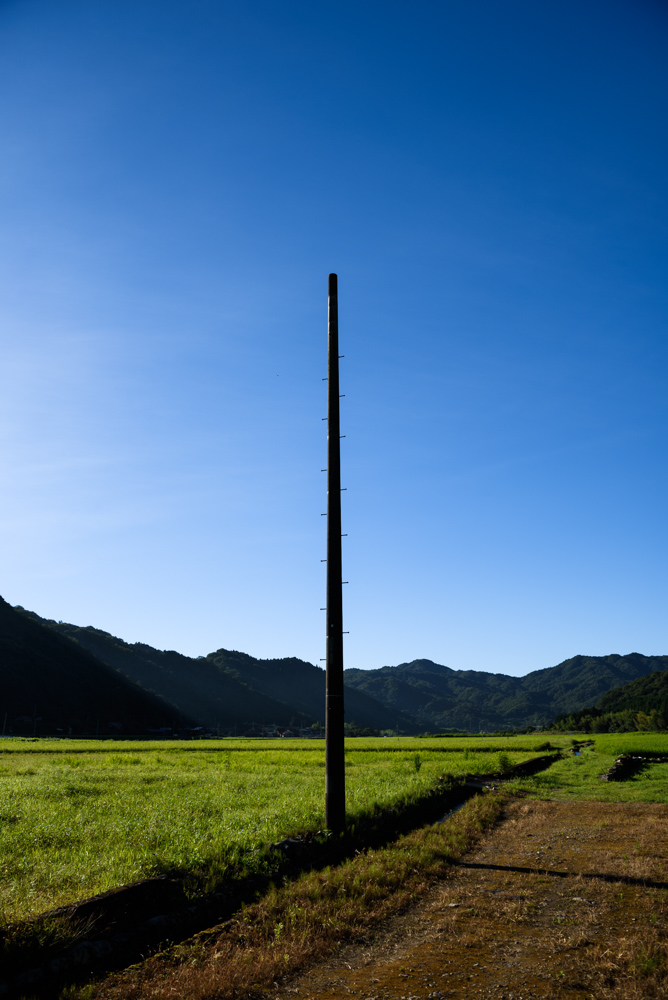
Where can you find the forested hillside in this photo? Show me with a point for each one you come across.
(50, 684)
(227, 688)
(642, 704)
(196, 688)
(442, 698)
(304, 686)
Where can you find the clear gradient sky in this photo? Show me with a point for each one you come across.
(489, 182)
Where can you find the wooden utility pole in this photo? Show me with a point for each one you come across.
(335, 778)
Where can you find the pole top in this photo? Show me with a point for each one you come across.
(332, 284)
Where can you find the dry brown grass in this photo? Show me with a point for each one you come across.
(632, 961)
(305, 920)
(635, 966)
(496, 929)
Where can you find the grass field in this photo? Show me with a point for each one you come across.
(392, 744)
(578, 777)
(616, 743)
(77, 818)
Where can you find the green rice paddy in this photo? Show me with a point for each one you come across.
(80, 817)
(616, 743)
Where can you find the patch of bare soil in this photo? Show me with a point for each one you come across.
(561, 900)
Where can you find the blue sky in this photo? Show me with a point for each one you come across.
(488, 181)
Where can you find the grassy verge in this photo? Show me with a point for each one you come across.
(578, 778)
(304, 920)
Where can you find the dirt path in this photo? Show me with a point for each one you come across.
(560, 900)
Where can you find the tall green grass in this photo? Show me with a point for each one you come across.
(77, 819)
(618, 743)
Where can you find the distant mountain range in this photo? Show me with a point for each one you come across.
(58, 676)
(222, 690)
(441, 698)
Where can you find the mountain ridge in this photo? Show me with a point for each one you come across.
(640, 704)
(215, 690)
(443, 698)
(228, 686)
(49, 684)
